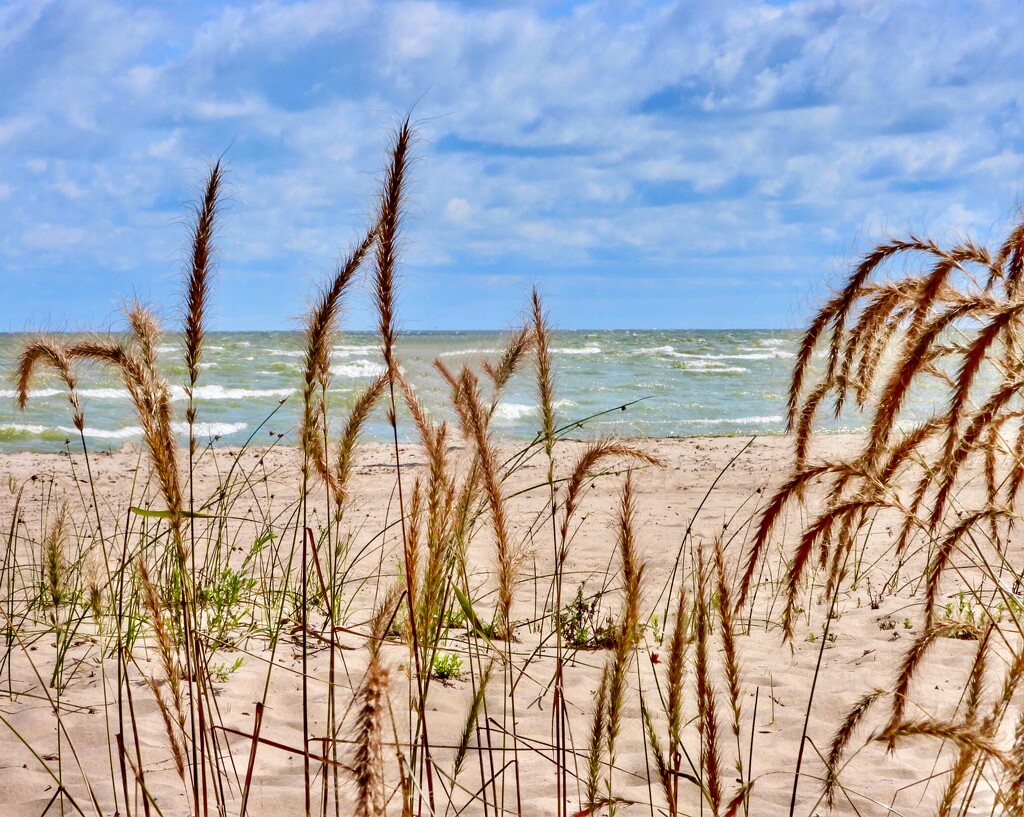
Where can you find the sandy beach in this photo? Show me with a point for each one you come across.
(708, 488)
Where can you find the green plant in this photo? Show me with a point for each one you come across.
(225, 605)
(222, 672)
(447, 665)
(581, 626)
(453, 619)
(656, 630)
(963, 613)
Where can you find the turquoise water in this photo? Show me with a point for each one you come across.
(688, 383)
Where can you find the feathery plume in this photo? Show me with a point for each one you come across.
(320, 327)
(45, 351)
(841, 739)
(545, 371)
(345, 457)
(197, 280)
(388, 223)
(707, 707)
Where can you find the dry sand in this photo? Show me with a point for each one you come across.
(861, 653)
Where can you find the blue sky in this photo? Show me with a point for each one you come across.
(645, 164)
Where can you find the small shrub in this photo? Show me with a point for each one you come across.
(225, 601)
(447, 666)
(580, 624)
(963, 613)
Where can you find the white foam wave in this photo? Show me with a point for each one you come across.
(33, 393)
(96, 433)
(106, 434)
(215, 392)
(761, 354)
(510, 412)
(25, 428)
(105, 394)
(462, 352)
(348, 351)
(765, 355)
(737, 421)
(127, 432)
(748, 354)
(210, 392)
(102, 394)
(210, 429)
(285, 352)
(591, 349)
(710, 367)
(358, 368)
(167, 350)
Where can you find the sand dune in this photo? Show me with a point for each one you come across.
(862, 649)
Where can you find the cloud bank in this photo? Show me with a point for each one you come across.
(646, 164)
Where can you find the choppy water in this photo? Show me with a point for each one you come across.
(693, 382)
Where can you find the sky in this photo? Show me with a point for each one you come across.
(648, 165)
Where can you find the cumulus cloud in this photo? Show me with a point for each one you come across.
(695, 145)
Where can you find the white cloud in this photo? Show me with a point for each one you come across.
(279, 27)
(165, 148)
(15, 127)
(18, 17)
(247, 106)
(458, 210)
(52, 237)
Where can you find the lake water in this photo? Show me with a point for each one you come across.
(687, 383)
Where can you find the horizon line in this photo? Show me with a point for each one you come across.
(299, 330)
